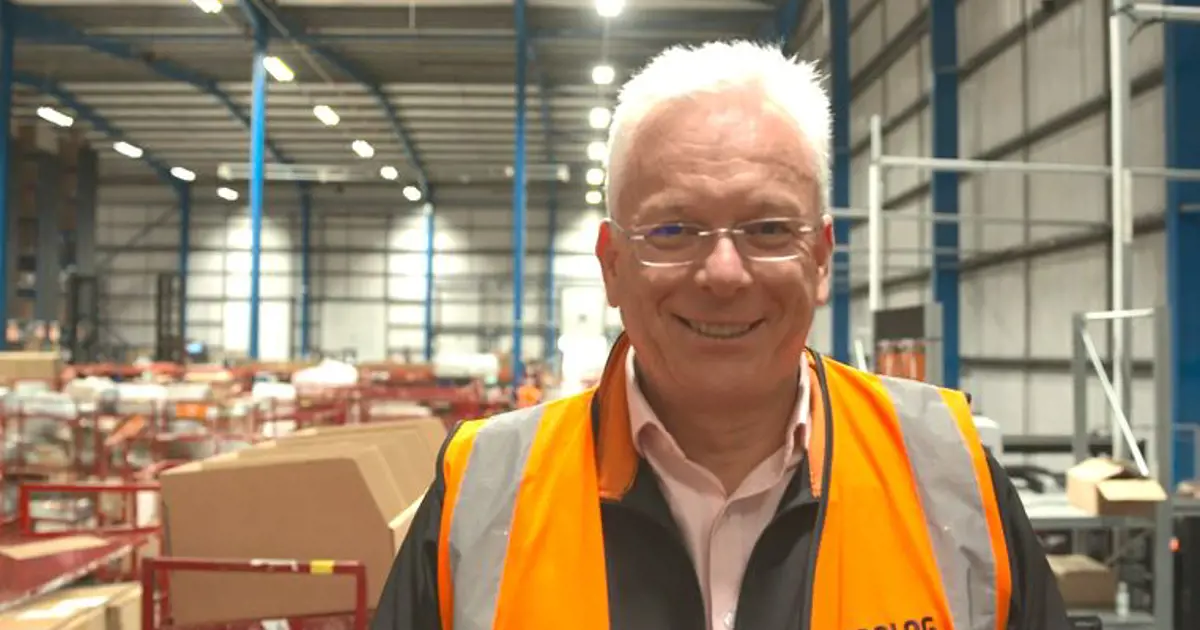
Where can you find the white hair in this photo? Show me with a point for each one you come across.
(715, 67)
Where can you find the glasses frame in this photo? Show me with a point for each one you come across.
(637, 235)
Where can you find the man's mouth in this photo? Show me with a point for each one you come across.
(720, 331)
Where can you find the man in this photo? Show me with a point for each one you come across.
(528, 394)
(721, 476)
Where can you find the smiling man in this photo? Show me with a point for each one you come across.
(722, 475)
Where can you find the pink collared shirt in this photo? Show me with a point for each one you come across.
(719, 529)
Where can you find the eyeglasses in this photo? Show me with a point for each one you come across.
(680, 244)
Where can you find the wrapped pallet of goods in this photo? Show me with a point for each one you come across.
(339, 493)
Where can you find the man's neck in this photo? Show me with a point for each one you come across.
(728, 440)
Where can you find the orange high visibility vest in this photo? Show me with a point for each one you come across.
(911, 526)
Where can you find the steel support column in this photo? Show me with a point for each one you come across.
(1181, 69)
(183, 191)
(1120, 29)
(430, 250)
(46, 261)
(518, 198)
(87, 182)
(839, 48)
(550, 339)
(258, 137)
(8, 37)
(943, 33)
(305, 268)
(550, 312)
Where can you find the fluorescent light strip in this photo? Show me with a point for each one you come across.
(228, 194)
(389, 172)
(208, 6)
(278, 69)
(363, 149)
(128, 150)
(595, 177)
(326, 115)
(184, 174)
(603, 74)
(599, 118)
(609, 8)
(597, 151)
(412, 193)
(55, 117)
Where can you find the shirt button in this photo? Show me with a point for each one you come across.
(729, 620)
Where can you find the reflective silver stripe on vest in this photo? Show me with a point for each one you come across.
(950, 495)
(479, 531)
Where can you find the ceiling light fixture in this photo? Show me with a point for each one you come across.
(208, 6)
(184, 174)
(55, 117)
(389, 172)
(597, 151)
(609, 8)
(128, 150)
(599, 118)
(412, 193)
(603, 74)
(278, 69)
(363, 149)
(594, 197)
(228, 194)
(595, 177)
(326, 115)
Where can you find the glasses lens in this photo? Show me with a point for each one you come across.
(670, 243)
(772, 238)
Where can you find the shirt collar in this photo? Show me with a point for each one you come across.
(644, 422)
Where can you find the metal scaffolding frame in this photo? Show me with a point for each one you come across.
(1121, 216)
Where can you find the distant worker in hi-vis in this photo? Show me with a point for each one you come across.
(722, 475)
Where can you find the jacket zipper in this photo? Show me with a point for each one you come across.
(822, 505)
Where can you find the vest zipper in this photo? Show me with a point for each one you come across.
(822, 504)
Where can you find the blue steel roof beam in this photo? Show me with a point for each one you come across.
(84, 111)
(297, 33)
(35, 24)
(783, 22)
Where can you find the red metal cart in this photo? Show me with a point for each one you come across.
(156, 611)
(22, 579)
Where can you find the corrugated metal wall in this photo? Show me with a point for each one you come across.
(1033, 86)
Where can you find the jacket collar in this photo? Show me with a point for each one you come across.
(617, 460)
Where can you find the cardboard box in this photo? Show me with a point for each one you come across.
(1103, 487)
(1084, 582)
(15, 366)
(321, 495)
(111, 607)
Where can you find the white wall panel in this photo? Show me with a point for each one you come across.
(867, 39)
(1020, 308)
(1069, 69)
(899, 14)
(356, 326)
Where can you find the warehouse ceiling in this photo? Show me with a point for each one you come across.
(436, 75)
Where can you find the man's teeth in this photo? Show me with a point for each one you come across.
(720, 331)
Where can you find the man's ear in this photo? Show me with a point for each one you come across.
(825, 259)
(607, 255)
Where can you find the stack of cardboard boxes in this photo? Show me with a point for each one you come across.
(1101, 487)
(328, 493)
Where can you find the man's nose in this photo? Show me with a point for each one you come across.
(724, 271)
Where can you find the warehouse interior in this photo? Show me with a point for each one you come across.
(312, 227)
